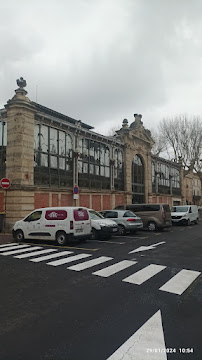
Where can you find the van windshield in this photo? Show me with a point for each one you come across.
(180, 208)
(95, 216)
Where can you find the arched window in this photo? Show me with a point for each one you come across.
(138, 193)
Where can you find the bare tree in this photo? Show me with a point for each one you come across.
(183, 136)
(159, 145)
(113, 129)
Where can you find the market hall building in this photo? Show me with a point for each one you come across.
(45, 154)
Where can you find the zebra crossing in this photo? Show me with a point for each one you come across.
(178, 284)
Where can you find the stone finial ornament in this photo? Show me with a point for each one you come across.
(21, 83)
(125, 123)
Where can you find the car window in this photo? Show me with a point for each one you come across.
(180, 208)
(129, 214)
(143, 207)
(34, 216)
(111, 214)
(95, 215)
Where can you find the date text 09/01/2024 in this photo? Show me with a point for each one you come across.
(171, 350)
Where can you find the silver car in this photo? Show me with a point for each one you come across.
(127, 221)
(101, 227)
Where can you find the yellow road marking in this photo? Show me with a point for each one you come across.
(108, 242)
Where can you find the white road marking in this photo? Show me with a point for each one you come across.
(10, 244)
(113, 269)
(90, 263)
(143, 275)
(142, 344)
(144, 248)
(35, 253)
(67, 260)
(14, 247)
(19, 251)
(180, 282)
(51, 256)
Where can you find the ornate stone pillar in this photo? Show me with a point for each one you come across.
(20, 154)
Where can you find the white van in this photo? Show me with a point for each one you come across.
(185, 214)
(54, 223)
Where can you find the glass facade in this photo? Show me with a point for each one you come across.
(93, 164)
(3, 143)
(53, 162)
(118, 170)
(165, 178)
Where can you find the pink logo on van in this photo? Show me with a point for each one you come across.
(56, 215)
(80, 214)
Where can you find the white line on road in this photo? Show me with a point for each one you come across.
(143, 275)
(52, 256)
(35, 253)
(10, 244)
(19, 251)
(67, 260)
(14, 247)
(90, 263)
(142, 344)
(180, 282)
(115, 268)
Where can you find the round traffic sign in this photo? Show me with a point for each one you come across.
(76, 190)
(5, 183)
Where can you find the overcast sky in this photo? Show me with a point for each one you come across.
(101, 61)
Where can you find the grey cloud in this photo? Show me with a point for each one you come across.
(101, 61)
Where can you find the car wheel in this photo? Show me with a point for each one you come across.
(94, 235)
(19, 235)
(61, 238)
(121, 230)
(151, 226)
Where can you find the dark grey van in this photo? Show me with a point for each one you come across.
(154, 216)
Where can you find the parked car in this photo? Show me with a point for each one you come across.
(154, 216)
(54, 223)
(101, 227)
(127, 221)
(185, 214)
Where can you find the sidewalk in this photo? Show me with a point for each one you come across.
(6, 238)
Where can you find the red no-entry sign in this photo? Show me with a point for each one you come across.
(5, 183)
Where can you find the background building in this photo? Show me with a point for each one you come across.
(45, 154)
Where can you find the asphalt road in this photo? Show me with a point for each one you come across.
(66, 312)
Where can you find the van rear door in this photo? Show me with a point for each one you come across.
(82, 224)
(166, 213)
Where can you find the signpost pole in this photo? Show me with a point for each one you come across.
(4, 218)
(5, 184)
